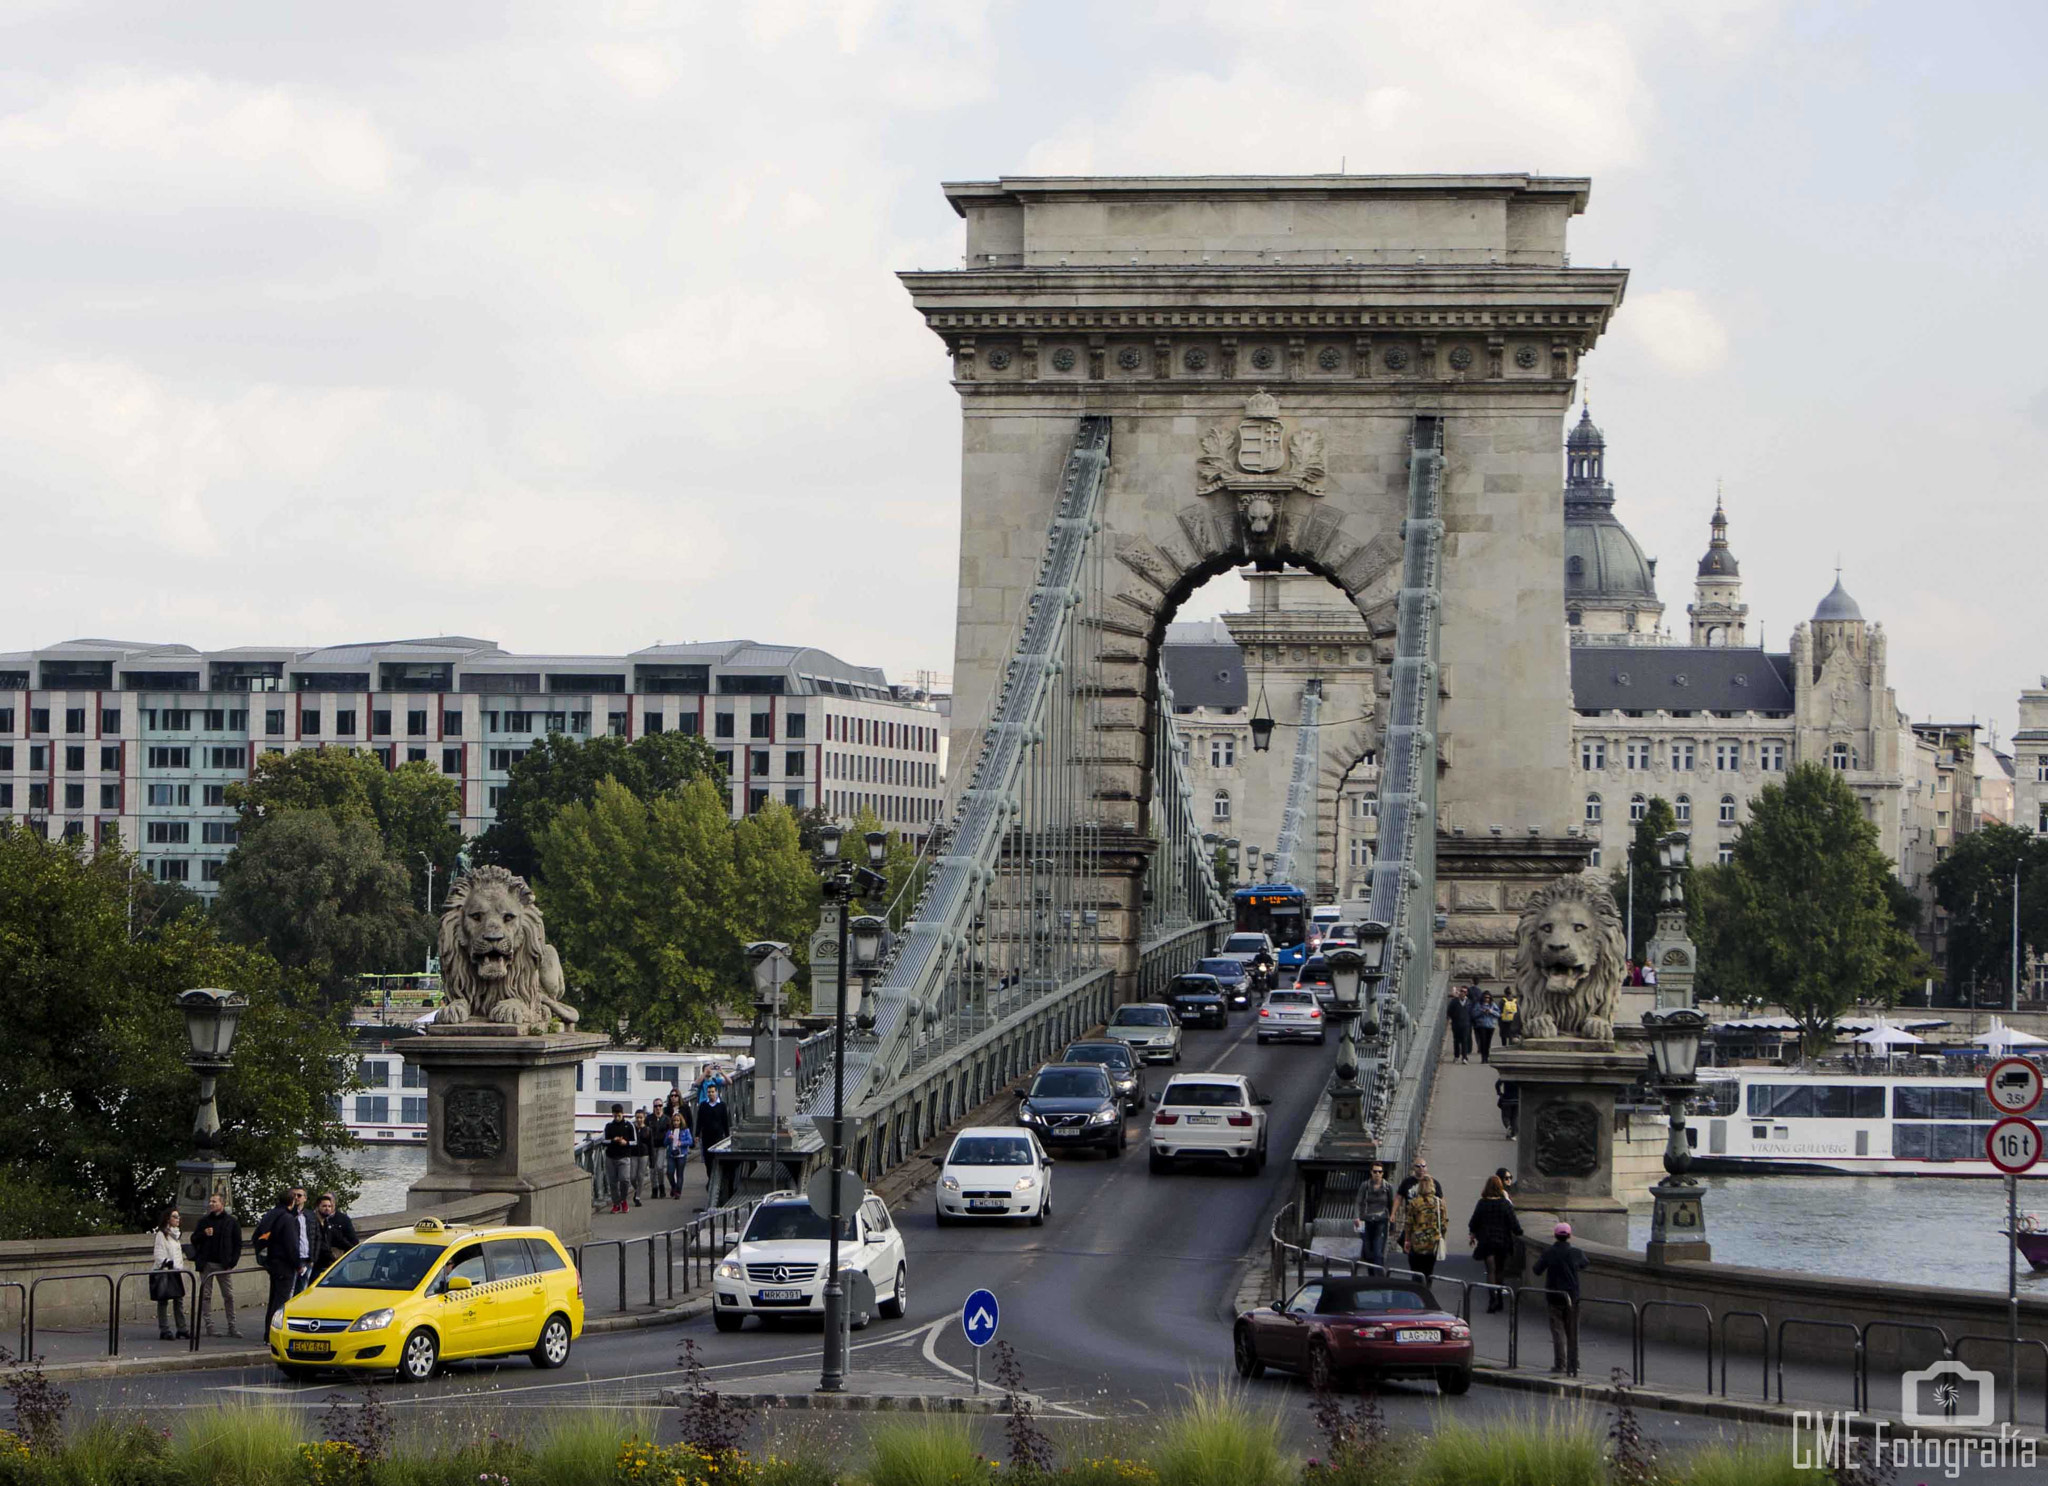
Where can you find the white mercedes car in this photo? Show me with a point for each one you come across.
(1209, 1117)
(994, 1171)
(778, 1267)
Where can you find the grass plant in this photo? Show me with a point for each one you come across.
(1218, 1437)
(240, 1443)
(580, 1446)
(1563, 1447)
(1746, 1462)
(936, 1450)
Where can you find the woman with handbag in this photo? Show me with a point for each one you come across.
(166, 1284)
(1495, 1229)
(1427, 1222)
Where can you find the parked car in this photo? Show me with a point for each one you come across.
(1315, 976)
(1235, 976)
(1074, 1106)
(1198, 1001)
(1209, 1117)
(1119, 1062)
(1290, 1013)
(994, 1171)
(1149, 1027)
(1338, 1328)
(778, 1267)
(409, 1299)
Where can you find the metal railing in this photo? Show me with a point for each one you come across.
(705, 1240)
(1902, 1327)
(2012, 1396)
(35, 1287)
(1642, 1334)
(21, 1323)
(1763, 1327)
(1855, 1360)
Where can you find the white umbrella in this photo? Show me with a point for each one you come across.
(1886, 1035)
(2002, 1036)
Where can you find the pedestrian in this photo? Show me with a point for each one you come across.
(1459, 1014)
(679, 1141)
(714, 1123)
(1560, 1265)
(657, 1152)
(216, 1250)
(166, 1284)
(1485, 1021)
(1493, 1229)
(336, 1231)
(1510, 1017)
(639, 1154)
(1375, 1211)
(1425, 1221)
(284, 1247)
(1507, 1097)
(618, 1156)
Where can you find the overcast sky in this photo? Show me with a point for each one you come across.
(574, 326)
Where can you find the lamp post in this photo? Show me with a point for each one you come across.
(1678, 1223)
(1354, 1006)
(211, 1017)
(844, 883)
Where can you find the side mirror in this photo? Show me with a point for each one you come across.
(1280, 1306)
(458, 1282)
(874, 1237)
(1158, 1096)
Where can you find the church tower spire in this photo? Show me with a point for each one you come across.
(1717, 610)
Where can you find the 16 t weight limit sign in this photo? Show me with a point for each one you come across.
(2013, 1145)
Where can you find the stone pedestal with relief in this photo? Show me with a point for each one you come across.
(1564, 1142)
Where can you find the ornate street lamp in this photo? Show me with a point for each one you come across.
(1678, 1224)
(1262, 723)
(211, 1017)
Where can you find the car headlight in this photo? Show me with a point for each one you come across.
(277, 1320)
(730, 1271)
(1102, 1117)
(1030, 1117)
(1026, 1183)
(373, 1321)
(950, 1183)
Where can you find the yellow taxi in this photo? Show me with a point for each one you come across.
(410, 1299)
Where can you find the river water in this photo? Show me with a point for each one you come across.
(384, 1172)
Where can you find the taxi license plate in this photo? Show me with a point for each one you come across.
(780, 1295)
(1418, 1336)
(310, 1349)
(988, 1207)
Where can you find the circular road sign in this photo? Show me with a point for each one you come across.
(2013, 1145)
(979, 1315)
(851, 1191)
(2014, 1086)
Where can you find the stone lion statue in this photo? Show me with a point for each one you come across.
(496, 962)
(1570, 960)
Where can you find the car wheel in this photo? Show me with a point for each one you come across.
(1158, 1163)
(942, 1218)
(1246, 1355)
(898, 1303)
(1455, 1380)
(418, 1358)
(1319, 1039)
(1322, 1377)
(727, 1320)
(552, 1350)
(1249, 1165)
(1038, 1217)
(1263, 1039)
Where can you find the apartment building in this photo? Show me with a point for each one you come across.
(98, 736)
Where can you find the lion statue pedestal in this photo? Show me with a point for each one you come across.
(500, 1059)
(1569, 962)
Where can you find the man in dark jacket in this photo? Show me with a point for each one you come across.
(216, 1249)
(285, 1243)
(714, 1123)
(1459, 1015)
(619, 1142)
(337, 1233)
(1559, 1265)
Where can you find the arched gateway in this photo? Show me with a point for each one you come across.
(1261, 348)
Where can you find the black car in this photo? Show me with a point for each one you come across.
(1119, 1062)
(1074, 1106)
(1234, 975)
(1198, 1001)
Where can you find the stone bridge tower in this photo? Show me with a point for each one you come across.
(1263, 346)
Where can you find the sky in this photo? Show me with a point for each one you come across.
(575, 326)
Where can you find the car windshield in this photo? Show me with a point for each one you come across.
(383, 1266)
(785, 1222)
(1290, 998)
(1222, 969)
(991, 1150)
(1115, 1054)
(1316, 970)
(1196, 985)
(1070, 1083)
(1140, 1016)
(1229, 1094)
(1244, 944)
(1340, 1299)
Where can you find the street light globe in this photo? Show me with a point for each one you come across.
(867, 933)
(1345, 966)
(1674, 1038)
(210, 1020)
(878, 848)
(828, 842)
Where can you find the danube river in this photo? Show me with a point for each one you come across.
(1910, 1230)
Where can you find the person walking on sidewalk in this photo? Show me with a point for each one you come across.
(284, 1247)
(639, 1154)
(657, 1151)
(166, 1284)
(1424, 1222)
(1485, 1021)
(1510, 1017)
(1459, 1015)
(1375, 1211)
(1493, 1229)
(216, 1250)
(1559, 1265)
(337, 1231)
(677, 1155)
(618, 1157)
(714, 1123)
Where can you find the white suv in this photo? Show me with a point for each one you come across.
(1212, 1117)
(778, 1266)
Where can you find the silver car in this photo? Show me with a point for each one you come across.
(1291, 1014)
(1151, 1029)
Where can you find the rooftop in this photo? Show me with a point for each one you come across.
(1680, 678)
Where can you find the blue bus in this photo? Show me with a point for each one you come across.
(1278, 911)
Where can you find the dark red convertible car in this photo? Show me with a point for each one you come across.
(1338, 1328)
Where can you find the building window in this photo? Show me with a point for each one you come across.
(173, 869)
(167, 832)
(7, 796)
(344, 722)
(74, 797)
(39, 719)
(1222, 753)
(1594, 859)
(505, 758)
(757, 763)
(74, 719)
(309, 723)
(1771, 757)
(615, 724)
(721, 724)
(1682, 809)
(1368, 807)
(74, 758)
(170, 758)
(1638, 807)
(273, 722)
(1838, 758)
(496, 795)
(412, 1110)
(1725, 854)
(110, 797)
(213, 794)
(451, 724)
(1727, 810)
(209, 870)
(614, 1078)
(451, 761)
(373, 1109)
(725, 762)
(793, 726)
(415, 755)
(760, 725)
(656, 723)
(1592, 810)
(415, 724)
(793, 798)
(219, 832)
(38, 757)
(1574, 618)
(1728, 756)
(1219, 807)
(1592, 754)
(1636, 752)
(110, 757)
(756, 799)
(227, 758)
(110, 720)
(375, 1074)
(2041, 773)
(39, 797)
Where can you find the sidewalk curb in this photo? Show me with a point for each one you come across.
(877, 1403)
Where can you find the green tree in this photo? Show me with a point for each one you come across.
(1974, 883)
(776, 892)
(639, 901)
(410, 805)
(1802, 915)
(559, 771)
(1226, 871)
(100, 1104)
(1658, 820)
(323, 896)
(902, 869)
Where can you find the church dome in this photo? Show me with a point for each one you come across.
(1838, 604)
(1719, 561)
(1602, 561)
(1584, 435)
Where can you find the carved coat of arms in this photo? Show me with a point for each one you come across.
(473, 1123)
(1260, 464)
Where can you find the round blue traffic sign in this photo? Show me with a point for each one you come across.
(978, 1317)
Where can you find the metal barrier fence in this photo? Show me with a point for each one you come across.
(1642, 1344)
(1855, 1360)
(35, 1287)
(1763, 1328)
(22, 1323)
(705, 1238)
(1863, 1337)
(2012, 1396)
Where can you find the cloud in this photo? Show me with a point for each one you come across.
(1676, 329)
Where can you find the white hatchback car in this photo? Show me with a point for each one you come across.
(994, 1171)
(1209, 1117)
(1291, 1014)
(778, 1266)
